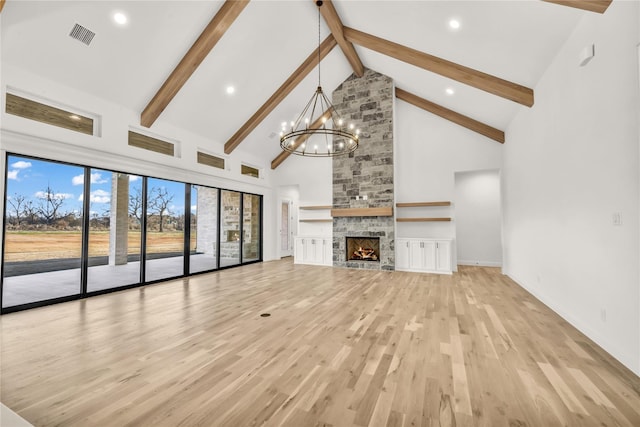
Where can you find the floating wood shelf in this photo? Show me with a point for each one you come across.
(317, 220)
(421, 204)
(315, 208)
(421, 219)
(344, 212)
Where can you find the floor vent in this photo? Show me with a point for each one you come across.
(82, 34)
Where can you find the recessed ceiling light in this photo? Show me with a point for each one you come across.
(74, 117)
(230, 90)
(120, 18)
(450, 91)
(454, 24)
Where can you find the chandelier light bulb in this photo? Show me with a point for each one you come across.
(340, 122)
(357, 131)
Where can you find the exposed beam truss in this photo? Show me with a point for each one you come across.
(213, 32)
(598, 6)
(445, 113)
(298, 75)
(460, 73)
(332, 19)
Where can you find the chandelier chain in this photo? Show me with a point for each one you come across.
(319, 45)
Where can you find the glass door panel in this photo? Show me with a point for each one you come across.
(43, 231)
(114, 230)
(251, 228)
(165, 229)
(230, 229)
(203, 247)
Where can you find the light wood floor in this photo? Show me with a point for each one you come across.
(341, 348)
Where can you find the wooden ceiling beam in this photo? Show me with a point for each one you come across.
(598, 6)
(332, 19)
(1, 5)
(299, 140)
(213, 32)
(460, 73)
(298, 75)
(457, 118)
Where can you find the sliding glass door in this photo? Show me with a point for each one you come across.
(230, 228)
(115, 209)
(43, 231)
(204, 229)
(251, 213)
(165, 229)
(72, 231)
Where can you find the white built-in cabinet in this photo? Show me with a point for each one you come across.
(424, 255)
(313, 250)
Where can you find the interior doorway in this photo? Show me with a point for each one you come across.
(286, 232)
(478, 218)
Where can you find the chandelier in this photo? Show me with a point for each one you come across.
(319, 131)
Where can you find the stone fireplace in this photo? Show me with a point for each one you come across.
(363, 249)
(363, 180)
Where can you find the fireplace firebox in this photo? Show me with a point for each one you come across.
(363, 249)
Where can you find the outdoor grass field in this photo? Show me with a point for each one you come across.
(41, 245)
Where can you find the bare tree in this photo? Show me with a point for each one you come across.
(30, 211)
(17, 203)
(159, 201)
(135, 204)
(50, 203)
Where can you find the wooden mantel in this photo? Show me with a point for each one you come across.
(344, 212)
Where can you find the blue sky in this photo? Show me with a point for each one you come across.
(30, 178)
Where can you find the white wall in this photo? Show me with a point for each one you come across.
(111, 151)
(428, 152)
(478, 218)
(570, 163)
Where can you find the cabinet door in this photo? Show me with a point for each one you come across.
(416, 255)
(299, 253)
(328, 251)
(402, 254)
(443, 256)
(316, 251)
(429, 255)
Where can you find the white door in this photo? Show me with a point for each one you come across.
(300, 256)
(443, 256)
(429, 247)
(317, 251)
(286, 234)
(328, 252)
(402, 254)
(416, 255)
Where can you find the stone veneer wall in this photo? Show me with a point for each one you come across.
(368, 102)
(207, 220)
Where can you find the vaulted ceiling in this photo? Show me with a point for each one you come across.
(173, 60)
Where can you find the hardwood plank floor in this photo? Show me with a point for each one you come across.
(341, 348)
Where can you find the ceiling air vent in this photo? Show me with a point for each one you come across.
(82, 34)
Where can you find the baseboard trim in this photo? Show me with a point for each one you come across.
(481, 263)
